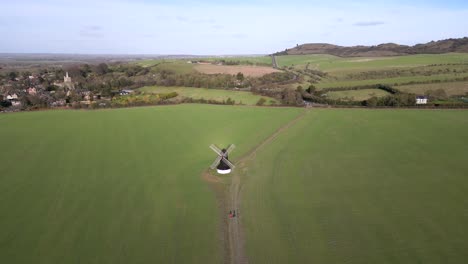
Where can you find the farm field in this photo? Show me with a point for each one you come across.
(247, 98)
(391, 81)
(330, 63)
(253, 71)
(360, 186)
(255, 60)
(357, 95)
(118, 186)
(451, 88)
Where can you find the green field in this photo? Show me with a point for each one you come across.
(361, 186)
(451, 88)
(338, 186)
(118, 186)
(390, 81)
(332, 63)
(357, 95)
(247, 98)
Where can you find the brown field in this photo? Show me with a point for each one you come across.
(451, 88)
(253, 71)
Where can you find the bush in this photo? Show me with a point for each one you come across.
(261, 101)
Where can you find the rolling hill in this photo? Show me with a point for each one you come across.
(387, 49)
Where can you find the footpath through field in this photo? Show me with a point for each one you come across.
(234, 232)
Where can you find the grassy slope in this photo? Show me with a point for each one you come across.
(451, 88)
(118, 186)
(357, 95)
(253, 59)
(391, 81)
(361, 186)
(247, 98)
(331, 63)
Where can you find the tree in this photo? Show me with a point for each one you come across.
(12, 75)
(240, 76)
(5, 103)
(101, 69)
(311, 89)
(261, 101)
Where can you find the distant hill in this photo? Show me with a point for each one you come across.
(387, 49)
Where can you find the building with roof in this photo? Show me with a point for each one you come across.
(421, 100)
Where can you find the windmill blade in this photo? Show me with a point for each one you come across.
(216, 162)
(231, 147)
(216, 149)
(228, 163)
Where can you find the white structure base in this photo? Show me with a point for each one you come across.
(224, 171)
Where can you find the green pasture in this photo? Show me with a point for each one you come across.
(121, 185)
(176, 66)
(244, 59)
(357, 95)
(395, 81)
(361, 186)
(451, 88)
(330, 63)
(247, 98)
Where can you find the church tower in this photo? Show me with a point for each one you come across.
(68, 82)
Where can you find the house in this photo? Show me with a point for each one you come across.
(421, 100)
(125, 92)
(13, 99)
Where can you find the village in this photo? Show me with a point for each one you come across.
(35, 91)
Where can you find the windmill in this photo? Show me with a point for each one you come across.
(222, 163)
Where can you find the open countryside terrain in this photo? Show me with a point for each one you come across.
(451, 88)
(333, 64)
(356, 95)
(254, 71)
(119, 186)
(243, 97)
(425, 71)
(360, 186)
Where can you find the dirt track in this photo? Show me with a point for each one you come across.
(229, 197)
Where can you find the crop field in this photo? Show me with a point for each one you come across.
(360, 186)
(254, 71)
(357, 95)
(118, 186)
(247, 98)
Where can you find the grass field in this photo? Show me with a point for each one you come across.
(451, 88)
(361, 186)
(261, 60)
(247, 70)
(331, 63)
(118, 186)
(390, 81)
(247, 98)
(357, 95)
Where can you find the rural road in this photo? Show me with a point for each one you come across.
(235, 235)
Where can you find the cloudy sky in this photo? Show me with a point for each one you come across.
(220, 26)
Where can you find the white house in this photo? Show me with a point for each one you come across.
(13, 99)
(421, 100)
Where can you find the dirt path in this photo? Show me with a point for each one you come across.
(229, 197)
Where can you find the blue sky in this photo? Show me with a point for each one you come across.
(212, 27)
